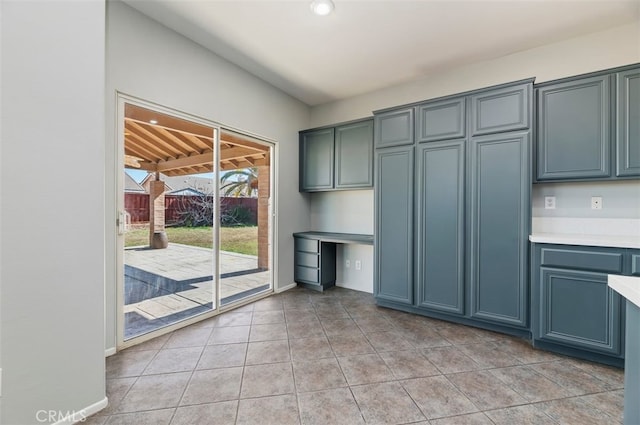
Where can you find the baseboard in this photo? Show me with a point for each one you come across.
(80, 416)
(285, 288)
(109, 351)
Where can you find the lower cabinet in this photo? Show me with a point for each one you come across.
(315, 263)
(573, 310)
(578, 309)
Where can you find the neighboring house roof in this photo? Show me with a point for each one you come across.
(131, 186)
(187, 191)
(183, 185)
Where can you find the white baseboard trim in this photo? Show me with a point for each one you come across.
(109, 351)
(286, 288)
(81, 415)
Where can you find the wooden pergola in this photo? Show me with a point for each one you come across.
(161, 143)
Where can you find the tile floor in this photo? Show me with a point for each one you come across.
(335, 358)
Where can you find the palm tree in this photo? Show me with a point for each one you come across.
(241, 182)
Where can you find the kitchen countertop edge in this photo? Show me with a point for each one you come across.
(587, 240)
(627, 286)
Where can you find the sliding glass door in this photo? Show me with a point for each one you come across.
(194, 225)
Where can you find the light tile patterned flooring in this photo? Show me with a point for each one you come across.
(335, 358)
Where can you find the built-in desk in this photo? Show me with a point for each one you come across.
(315, 256)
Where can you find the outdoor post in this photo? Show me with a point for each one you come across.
(263, 217)
(157, 235)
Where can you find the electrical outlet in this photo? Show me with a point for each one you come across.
(358, 265)
(549, 202)
(347, 263)
(596, 202)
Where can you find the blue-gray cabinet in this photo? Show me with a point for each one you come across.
(574, 129)
(500, 182)
(573, 310)
(452, 224)
(354, 155)
(394, 128)
(337, 158)
(314, 263)
(393, 236)
(588, 127)
(628, 123)
(441, 120)
(500, 110)
(440, 215)
(316, 159)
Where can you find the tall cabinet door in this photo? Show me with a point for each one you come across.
(316, 160)
(499, 227)
(628, 122)
(440, 225)
(394, 224)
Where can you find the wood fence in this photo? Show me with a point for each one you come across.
(137, 205)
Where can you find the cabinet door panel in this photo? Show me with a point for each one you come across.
(354, 155)
(635, 264)
(500, 211)
(500, 110)
(393, 244)
(440, 212)
(394, 128)
(628, 122)
(316, 160)
(441, 120)
(574, 130)
(580, 310)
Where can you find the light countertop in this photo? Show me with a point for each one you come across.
(615, 241)
(627, 286)
(606, 232)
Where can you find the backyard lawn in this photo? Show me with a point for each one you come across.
(243, 240)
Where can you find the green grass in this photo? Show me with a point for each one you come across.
(243, 240)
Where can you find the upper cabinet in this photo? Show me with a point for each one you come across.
(501, 110)
(588, 127)
(316, 160)
(337, 158)
(628, 123)
(354, 155)
(574, 129)
(441, 120)
(394, 128)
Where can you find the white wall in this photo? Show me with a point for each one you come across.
(620, 199)
(149, 61)
(52, 224)
(347, 212)
(615, 47)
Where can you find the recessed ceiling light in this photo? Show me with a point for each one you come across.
(322, 7)
(153, 121)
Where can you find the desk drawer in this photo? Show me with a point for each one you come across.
(307, 245)
(602, 261)
(306, 259)
(307, 274)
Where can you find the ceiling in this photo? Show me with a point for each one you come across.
(367, 45)
(177, 147)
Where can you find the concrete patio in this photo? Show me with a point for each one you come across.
(164, 286)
